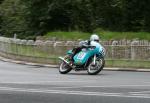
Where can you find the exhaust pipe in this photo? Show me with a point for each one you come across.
(66, 62)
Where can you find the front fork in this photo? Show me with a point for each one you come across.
(94, 61)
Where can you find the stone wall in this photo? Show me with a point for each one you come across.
(48, 51)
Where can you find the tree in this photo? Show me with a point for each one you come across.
(0, 15)
(36, 17)
(12, 18)
(58, 15)
(135, 13)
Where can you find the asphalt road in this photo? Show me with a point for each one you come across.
(33, 84)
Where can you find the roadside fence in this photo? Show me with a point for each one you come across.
(127, 51)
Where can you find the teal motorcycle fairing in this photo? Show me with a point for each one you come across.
(83, 56)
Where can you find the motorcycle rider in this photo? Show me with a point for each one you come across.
(94, 41)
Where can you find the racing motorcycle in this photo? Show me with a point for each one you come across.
(90, 58)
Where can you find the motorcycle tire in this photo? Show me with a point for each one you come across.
(64, 68)
(89, 68)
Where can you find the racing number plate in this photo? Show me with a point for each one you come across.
(81, 55)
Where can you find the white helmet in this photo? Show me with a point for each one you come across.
(94, 37)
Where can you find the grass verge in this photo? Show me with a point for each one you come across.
(105, 35)
(128, 63)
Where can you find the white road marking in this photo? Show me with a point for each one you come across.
(75, 81)
(118, 86)
(35, 82)
(141, 92)
(106, 86)
(10, 89)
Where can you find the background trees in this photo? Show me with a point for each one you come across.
(36, 17)
(12, 18)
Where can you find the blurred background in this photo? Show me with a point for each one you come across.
(46, 29)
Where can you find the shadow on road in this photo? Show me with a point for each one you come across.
(85, 74)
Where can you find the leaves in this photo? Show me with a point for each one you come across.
(12, 18)
(37, 17)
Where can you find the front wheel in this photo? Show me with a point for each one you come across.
(64, 68)
(95, 69)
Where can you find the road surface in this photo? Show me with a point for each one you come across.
(34, 84)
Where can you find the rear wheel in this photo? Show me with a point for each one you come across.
(64, 68)
(95, 69)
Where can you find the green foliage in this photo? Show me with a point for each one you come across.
(12, 18)
(0, 15)
(105, 35)
(37, 17)
(128, 63)
(135, 15)
(1, 1)
(59, 15)
(68, 35)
